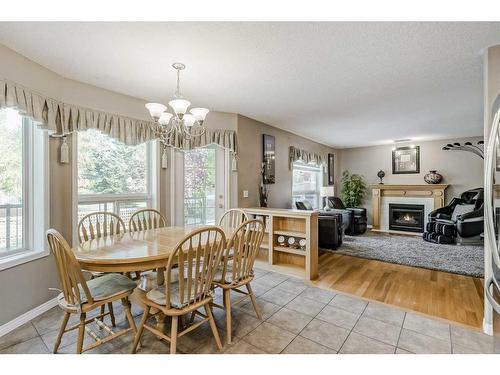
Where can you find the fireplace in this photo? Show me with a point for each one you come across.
(406, 217)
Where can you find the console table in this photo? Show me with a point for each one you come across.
(295, 224)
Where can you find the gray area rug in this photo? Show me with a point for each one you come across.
(414, 251)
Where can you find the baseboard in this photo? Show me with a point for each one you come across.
(27, 316)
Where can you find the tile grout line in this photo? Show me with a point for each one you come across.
(357, 320)
(314, 317)
(263, 320)
(400, 332)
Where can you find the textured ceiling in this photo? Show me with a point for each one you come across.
(342, 84)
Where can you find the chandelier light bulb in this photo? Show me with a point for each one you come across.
(189, 120)
(156, 110)
(179, 107)
(165, 118)
(199, 114)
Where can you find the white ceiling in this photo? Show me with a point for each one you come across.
(342, 84)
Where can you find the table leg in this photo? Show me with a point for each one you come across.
(160, 276)
(160, 317)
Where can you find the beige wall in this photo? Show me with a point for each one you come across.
(250, 158)
(462, 170)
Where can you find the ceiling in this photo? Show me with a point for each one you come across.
(341, 84)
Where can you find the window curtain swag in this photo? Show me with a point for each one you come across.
(305, 157)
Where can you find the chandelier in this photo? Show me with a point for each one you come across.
(186, 124)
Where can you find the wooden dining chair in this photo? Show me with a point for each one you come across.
(79, 296)
(145, 219)
(233, 218)
(97, 225)
(236, 271)
(188, 287)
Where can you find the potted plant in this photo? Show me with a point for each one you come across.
(353, 189)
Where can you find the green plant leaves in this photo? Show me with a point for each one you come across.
(353, 189)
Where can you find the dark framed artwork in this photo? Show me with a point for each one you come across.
(331, 169)
(268, 146)
(406, 160)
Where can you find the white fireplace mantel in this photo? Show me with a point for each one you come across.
(427, 192)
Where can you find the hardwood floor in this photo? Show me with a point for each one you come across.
(439, 294)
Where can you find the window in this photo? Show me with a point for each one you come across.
(112, 176)
(306, 182)
(199, 186)
(22, 208)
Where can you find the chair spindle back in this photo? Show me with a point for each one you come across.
(145, 219)
(99, 224)
(198, 256)
(245, 245)
(233, 218)
(68, 268)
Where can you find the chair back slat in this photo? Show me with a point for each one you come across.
(69, 271)
(197, 256)
(99, 224)
(146, 219)
(245, 245)
(233, 218)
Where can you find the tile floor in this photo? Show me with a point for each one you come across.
(297, 318)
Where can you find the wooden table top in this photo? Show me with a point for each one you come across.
(132, 251)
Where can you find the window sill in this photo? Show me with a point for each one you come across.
(21, 258)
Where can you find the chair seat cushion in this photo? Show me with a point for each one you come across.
(109, 285)
(106, 286)
(228, 279)
(228, 276)
(159, 297)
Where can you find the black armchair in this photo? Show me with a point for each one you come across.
(461, 221)
(330, 226)
(357, 219)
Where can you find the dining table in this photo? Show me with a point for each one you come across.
(134, 251)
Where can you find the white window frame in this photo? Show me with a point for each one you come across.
(35, 200)
(319, 169)
(152, 186)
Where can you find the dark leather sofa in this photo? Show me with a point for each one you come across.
(330, 226)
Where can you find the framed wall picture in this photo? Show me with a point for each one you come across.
(268, 159)
(406, 160)
(331, 169)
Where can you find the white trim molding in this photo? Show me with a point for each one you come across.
(27, 316)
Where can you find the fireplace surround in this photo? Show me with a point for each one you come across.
(406, 217)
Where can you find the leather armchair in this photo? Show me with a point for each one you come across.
(357, 219)
(330, 226)
(461, 221)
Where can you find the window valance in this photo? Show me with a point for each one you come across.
(306, 157)
(62, 118)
